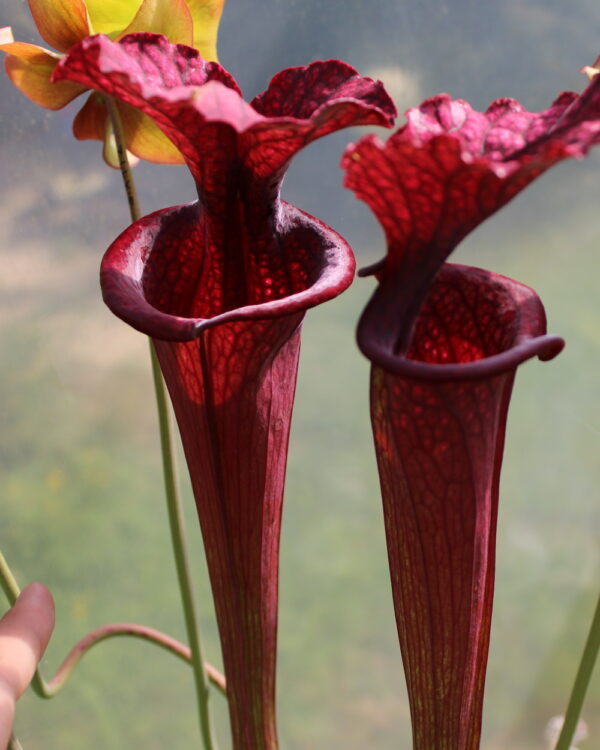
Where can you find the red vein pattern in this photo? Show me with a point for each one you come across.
(439, 445)
(222, 285)
(233, 392)
(443, 173)
(445, 342)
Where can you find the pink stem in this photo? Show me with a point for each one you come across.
(114, 630)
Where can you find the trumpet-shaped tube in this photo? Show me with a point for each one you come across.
(222, 285)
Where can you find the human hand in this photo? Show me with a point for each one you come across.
(24, 634)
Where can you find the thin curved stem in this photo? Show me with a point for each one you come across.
(49, 688)
(125, 629)
(582, 681)
(174, 509)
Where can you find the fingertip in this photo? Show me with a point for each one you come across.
(24, 634)
(38, 602)
(38, 594)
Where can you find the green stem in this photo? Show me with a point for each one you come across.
(582, 681)
(174, 509)
(128, 181)
(11, 589)
(8, 581)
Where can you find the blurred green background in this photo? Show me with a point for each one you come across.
(80, 487)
